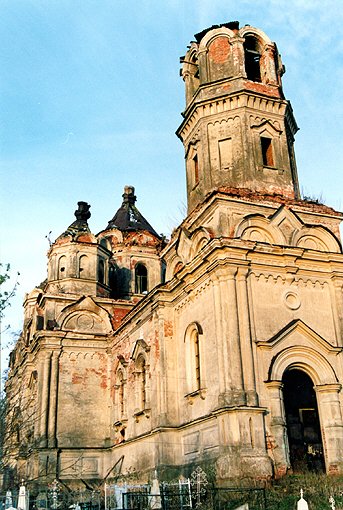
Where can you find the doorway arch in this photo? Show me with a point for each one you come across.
(302, 420)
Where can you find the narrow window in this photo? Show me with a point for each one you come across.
(142, 382)
(83, 263)
(196, 354)
(104, 243)
(196, 169)
(252, 59)
(112, 281)
(143, 385)
(177, 268)
(252, 434)
(141, 279)
(193, 359)
(101, 271)
(267, 151)
(121, 394)
(61, 267)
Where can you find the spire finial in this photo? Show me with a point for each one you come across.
(129, 195)
(82, 213)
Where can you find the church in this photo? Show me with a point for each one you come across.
(220, 348)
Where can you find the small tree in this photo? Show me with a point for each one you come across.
(5, 301)
(6, 295)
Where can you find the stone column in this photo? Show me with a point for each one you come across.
(203, 68)
(245, 337)
(268, 64)
(43, 417)
(238, 56)
(278, 443)
(52, 441)
(331, 425)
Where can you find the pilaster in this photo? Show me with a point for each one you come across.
(278, 443)
(332, 425)
(232, 340)
(245, 337)
(52, 442)
(44, 410)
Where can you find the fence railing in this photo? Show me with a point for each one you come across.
(211, 499)
(179, 497)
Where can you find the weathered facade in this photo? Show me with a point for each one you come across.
(222, 347)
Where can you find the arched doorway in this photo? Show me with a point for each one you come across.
(303, 427)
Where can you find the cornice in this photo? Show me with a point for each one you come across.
(204, 108)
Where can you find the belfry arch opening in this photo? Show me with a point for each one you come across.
(303, 426)
(252, 55)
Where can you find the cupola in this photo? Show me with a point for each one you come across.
(135, 266)
(78, 264)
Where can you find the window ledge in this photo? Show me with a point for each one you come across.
(139, 414)
(120, 424)
(196, 394)
(269, 167)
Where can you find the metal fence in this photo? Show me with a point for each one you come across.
(65, 499)
(170, 498)
(181, 499)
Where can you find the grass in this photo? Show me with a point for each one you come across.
(284, 494)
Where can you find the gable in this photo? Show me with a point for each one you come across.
(299, 346)
(84, 317)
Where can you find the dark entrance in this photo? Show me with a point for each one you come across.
(304, 436)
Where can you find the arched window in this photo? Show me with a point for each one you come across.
(104, 242)
(61, 269)
(252, 58)
(112, 281)
(141, 279)
(83, 266)
(141, 371)
(194, 365)
(196, 354)
(177, 268)
(195, 169)
(101, 271)
(267, 151)
(120, 387)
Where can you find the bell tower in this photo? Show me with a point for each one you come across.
(238, 129)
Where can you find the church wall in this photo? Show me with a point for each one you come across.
(276, 302)
(197, 308)
(83, 399)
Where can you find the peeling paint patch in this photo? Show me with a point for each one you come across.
(168, 328)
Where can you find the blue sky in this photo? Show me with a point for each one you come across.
(91, 98)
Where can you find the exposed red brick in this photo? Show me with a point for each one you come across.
(219, 50)
(256, 196)
(118, 316)
(262, 88)
(85, 238)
